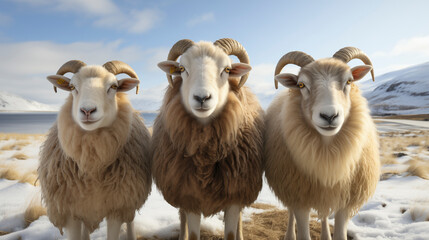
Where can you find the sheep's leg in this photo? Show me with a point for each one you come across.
(326, 234)
(232, 215)
(183, 226)
(193, 225)
(113, 228)
(131, 234)
(73, 229)
(341, 221)
(85, 233)
(240, 228)
(302, 217)
(290, 232)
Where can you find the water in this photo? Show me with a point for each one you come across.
(41, 122)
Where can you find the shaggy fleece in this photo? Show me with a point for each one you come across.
(96, 174)
(306, 172)
(204, 168)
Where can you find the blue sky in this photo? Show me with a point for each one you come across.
(38, 36)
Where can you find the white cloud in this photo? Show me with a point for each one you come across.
(96, 7)
(206, 17)
(142, 21)
(105, 13)
(25, 66)
(416, 46)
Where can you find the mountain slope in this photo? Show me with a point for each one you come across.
(11, 102)
(400, 92)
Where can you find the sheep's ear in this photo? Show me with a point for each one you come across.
(239, 69)
(170, 67)
(127, 84)
(288, 80)
(59, 81)
(359, 72)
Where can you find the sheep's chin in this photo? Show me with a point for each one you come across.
(328, 131)
(203, 116)
(90, 126)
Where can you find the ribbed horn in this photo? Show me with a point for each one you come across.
(72, 66)
(233, 47)
(178, 49)
(296, 57)
(346, 54)
(117, 67)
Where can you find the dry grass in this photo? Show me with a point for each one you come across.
(9, 172)
(421, 117)
(419, 213)
(18, 136)
(30, 177)
(15, 146)
(3, 233)
(20, 156)
(268, 225)
(395, 145)
(418, 168)
(33, 212)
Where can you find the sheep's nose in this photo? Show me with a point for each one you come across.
(329, 118)
(202, 99)
(88, 111)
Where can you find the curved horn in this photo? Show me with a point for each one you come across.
(296, 57)
(233, 47)
(72, 66)
(117, 67)
(346, 54)
(178, 49)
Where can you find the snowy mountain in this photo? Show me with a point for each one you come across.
(400, 92)
(11, 102)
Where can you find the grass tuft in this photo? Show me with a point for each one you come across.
(20, 156)
(33, 212)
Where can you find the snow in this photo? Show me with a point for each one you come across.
(381, 218)
(405, 91)
(11, 102)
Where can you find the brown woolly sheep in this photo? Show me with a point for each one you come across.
(207, 156)
(321, 145)
(86, 172)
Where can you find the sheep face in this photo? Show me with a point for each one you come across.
(94, 95)
(205, 70)
(325, 89)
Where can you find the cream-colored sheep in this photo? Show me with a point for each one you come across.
(208, 158)
(91, 172)
(321, 145)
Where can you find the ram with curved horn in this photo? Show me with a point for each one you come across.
(95, 162)
(321, 144)
(207, 138)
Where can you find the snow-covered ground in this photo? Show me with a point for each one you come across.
(398, 210)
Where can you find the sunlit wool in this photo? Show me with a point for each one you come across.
(305, 171)
(90, 175)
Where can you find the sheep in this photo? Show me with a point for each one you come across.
(95, 162)
(208, 137)
(321, 145)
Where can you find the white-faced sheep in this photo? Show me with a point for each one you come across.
(95, 162)
(207, 139)
(321, 144)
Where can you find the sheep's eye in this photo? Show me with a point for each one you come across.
(301, 85)
(227, 69)
(114, 87)
(72, 87)
(182, 69)
(349, 81)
